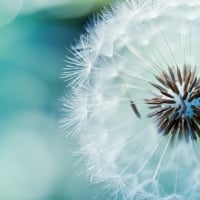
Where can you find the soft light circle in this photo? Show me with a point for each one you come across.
(9, 10)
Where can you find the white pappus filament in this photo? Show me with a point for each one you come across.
(134, 109)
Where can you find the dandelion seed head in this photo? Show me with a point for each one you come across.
(134, 108)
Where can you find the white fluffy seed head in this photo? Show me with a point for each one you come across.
(112, 64)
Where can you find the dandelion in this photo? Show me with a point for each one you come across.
(135, 107)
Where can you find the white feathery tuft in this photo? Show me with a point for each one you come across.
(109, 72)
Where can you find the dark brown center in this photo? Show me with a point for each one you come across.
(176, 108)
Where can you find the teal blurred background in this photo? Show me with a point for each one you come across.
(36, 161)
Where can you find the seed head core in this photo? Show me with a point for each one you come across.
(177, 106)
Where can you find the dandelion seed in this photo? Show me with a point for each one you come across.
(135, 106)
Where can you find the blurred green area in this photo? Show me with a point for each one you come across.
(36, 161)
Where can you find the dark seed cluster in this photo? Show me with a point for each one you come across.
(176, 109)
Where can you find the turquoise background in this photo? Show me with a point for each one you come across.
(36, 160)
